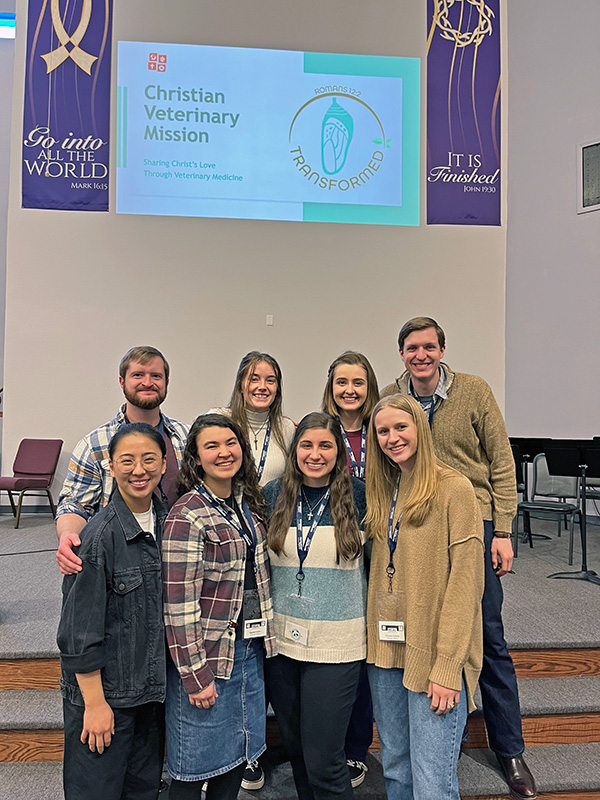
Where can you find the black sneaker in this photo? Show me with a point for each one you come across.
(254, 777)
(357, 771)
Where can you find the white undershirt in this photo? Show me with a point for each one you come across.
(146, 521)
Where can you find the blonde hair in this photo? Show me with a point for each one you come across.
(382, 474)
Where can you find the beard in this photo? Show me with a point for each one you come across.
(145, 403)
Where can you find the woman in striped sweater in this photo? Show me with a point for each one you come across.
(319, 590)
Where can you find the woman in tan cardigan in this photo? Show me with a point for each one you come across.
(424, 609)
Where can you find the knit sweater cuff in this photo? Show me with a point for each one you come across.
(503, 522)
(447, 672)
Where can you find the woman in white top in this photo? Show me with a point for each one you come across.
(255, 404)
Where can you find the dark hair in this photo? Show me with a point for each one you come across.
(246, 478)
(347, 534)
(237, 405)
(137, 429)
(143, 355)
(352, 358)
(420, 324)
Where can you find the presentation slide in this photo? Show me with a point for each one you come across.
(242, 133)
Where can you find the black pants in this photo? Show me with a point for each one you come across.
(360, 730)
(313, 703)
(129, 769)
(221, 787)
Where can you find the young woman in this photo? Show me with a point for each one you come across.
(255, 405)
(111, 634)
(319, 588)
(351, 393)
(424, 613)
(218, 614)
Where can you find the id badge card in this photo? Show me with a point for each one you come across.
(391, 615)
(298, 629)
(255, 626)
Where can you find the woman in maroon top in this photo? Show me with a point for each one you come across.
(351, 393)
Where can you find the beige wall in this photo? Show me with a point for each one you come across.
(83, 287)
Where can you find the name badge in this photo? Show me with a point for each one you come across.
(297, 633)
(255, 628)
(391, 631)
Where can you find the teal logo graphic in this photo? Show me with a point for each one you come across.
(336, 135)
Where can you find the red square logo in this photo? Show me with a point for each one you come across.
(162, 59)
(153, 57)
(151, 65)
(161, 68)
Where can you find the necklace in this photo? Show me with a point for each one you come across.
(311, 509)
(256, 431)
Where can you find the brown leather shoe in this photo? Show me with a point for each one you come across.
(518, 777)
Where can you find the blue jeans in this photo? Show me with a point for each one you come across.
(498, 682)
(419, 750)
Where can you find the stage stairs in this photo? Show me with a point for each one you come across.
(560, 702)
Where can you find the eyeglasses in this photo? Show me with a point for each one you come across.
(149, 463)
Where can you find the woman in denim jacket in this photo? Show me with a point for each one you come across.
(218, 614)
(111, 634)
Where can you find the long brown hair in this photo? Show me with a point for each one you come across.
(245, 479)
(237, 405)
(382, 474)
(348, 538)
(353, 359)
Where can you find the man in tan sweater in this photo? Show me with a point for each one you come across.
(469, 434)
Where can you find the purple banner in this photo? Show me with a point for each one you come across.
(66, 118)
(463, 112)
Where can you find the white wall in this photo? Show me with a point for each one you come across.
(553, 255)
(7, 51)
(83, 287)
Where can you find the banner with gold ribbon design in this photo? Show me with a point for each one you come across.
(463, 112)
(66, 117)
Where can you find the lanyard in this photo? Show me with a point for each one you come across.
(265, 447)
(358, 470)
(303, 545)
(221, 508)
(393, 536)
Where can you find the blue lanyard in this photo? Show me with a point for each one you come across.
(358, 470)
(221, 508)
(265, 447)
(393, 536)
(303, 545)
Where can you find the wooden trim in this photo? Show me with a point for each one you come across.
(585, 795)
(31, 745)
(559, 663)
(29, 673)
(545, 729)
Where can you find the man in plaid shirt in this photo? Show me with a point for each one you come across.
(144, 378)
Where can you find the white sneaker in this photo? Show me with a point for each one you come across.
(357, 771)
(254, 777)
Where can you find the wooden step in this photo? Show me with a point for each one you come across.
(31, 745)
(29, 673)
(545, 729)
(556, 663)
(593, 795)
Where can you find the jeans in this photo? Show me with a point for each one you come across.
(419, 750)
(313, 703)
(498, 682)
(129, 769)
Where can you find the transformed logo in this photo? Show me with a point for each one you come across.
(335, 132)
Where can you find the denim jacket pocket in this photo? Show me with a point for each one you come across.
(127, 599)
